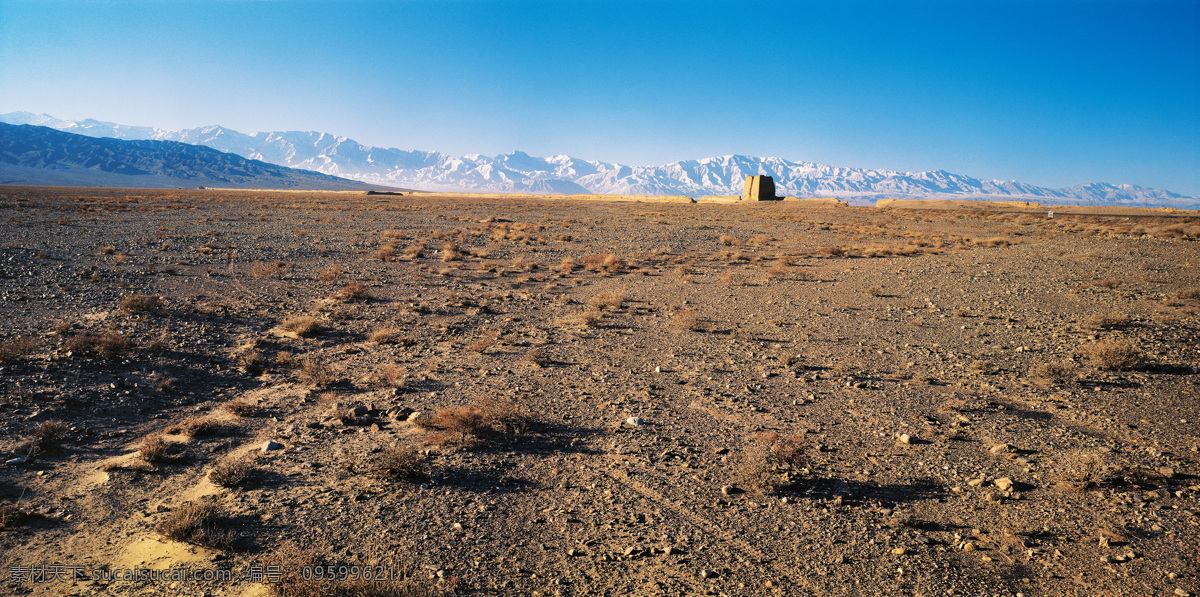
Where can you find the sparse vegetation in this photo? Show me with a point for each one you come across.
(233, 472)
(1114, 355)
(301, 325)
(140, 303)
(202, 523)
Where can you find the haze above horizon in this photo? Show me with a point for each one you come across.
(1049, 93)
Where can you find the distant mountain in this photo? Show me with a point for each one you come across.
(520, 172)
(39, 155)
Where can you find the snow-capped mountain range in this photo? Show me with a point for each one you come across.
(519, 172)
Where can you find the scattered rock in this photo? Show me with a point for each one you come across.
(706, 573)
(1002, 448)
(634, 421)
(16, 461)
(271, 446)
(1003, 483)
(906, 438)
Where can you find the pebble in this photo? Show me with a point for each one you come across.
(634, 421)
(905, 438)
(271, 446)
(1001, 448)
(15, 461)
(1003, 483)
(706, 573)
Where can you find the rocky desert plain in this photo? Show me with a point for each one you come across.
(241, 393)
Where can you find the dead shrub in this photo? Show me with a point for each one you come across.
(875, 291)
(385, 253)
(759, 465)
(241, 407)
(1114, 355)
(537, 357)
(196, 426)
(831, 251)
(274, 269)
(108, 344)
(450, 252)
(995, 241)
(202, 523)
(566, 266)
(301, 325)
(353, 292)
(390, 335)
(1109, 283)
(687, 320)
(414, 251)
(315, 372)
(1188, 294)
(13, 350)
(607, 300)
(45, 437)
(251, 360)
(329, 274)
(485, 341)
(12, 516)
(400, 462)
(1080, 470)
(1057, 373)
(487, 417)
(153, 449)
(233, 472)
(1105, 321)
(140, 303)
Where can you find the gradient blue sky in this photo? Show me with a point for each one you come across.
(1049, 92)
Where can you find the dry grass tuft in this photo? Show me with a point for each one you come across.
(488, 417)
(140, 303)
(687, 320)
(274, 269)
(608, 300)
(241, 407)
(1057, 373)
(485, 341)
(201, 523)
(233, 472)
(11, 516)
(1114, 355)
(196, 426)
(1080, 470)
(391, 335)
(315, 372)
(45, 437)
(537, 357)
(330, 274)
(1106, 321)
(353, 292)
(16, 349)
(153, 449)
(301, 325)
(108, 344)
(1109, 283)
(400, 462)
(759, 465)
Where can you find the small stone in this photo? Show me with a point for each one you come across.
(271, 446)
(16, 461)
(906, 438)
(730, 490)
(706, 573)
(456, 526)
(1003, 483)
(1167, 472)
(1002, 448)
(976, 482)
(899, 551)
(360, 410)
(1182, 593)
(969, 546)
(1104, 542)
(634, 421)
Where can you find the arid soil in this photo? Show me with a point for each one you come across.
(568, 397)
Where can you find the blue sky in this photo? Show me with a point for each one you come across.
(1047, 92)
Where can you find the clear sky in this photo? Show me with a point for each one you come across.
(1047, 92)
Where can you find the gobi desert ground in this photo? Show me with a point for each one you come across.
(569, 397)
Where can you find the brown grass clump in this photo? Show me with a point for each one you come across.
(196, 426)
(329, 274)
(1188, 294)
(140, 303)
(11, 516)
(201, 523)
(390, 335)
(607, 300)
(301, 325)
(538, 357)
(1114, 355)
(687, 320)
(1109, 283)
(274, 269)
(1057, 373)
(17, 348)
(315, 372)
(353, 292)
(450, 252)
(485, 341)
(153, 449)
(831, 251)
(46, 436)
(1080, 470)
(995, 241)
(566, 266)
(607, 263)
(233, 472)
(489, 417)
(241, 407)
(875, 291)
(385, 253)
(400, 462)
(759, 465)
(1106, 321)
(108, 344)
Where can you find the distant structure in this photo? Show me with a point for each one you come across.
(759, 188)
